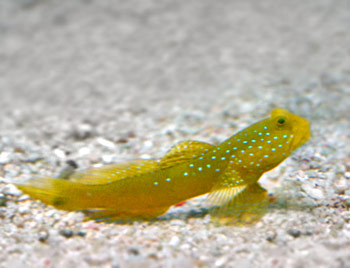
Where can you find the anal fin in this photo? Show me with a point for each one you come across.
(111, 215)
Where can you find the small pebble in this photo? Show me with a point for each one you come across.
(221, 261)
(177, 222)
(308, 233)
(347, 174)
(66, 233)
(43, 236)
(84, 151)
(339, 169)
(106, 143)
(2, 200)
(72, 164)
(32, 158)
(67, 171)
(324, 169)
(81, 233)
(347, 202)
(314, 165)
(10, 189)
(122, 140)
(134, 251)
(82, 131)
(341, 186)
(271, 237)
(23, 210)
(59, 153)
(115, 265)
(5, 158)
(109, 158)
(311, 174)
(174, 241)
(314, 193)
(294, 232)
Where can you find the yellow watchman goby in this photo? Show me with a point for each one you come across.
(145, 189)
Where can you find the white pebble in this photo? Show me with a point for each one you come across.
(313, 192)
(109, 158)
(221, 261)
(174, 241)
(106, 143)
(38, 218)
(10, 189)
(84, 151)
(23, 210)
(5, 157)
(177, 222)
(59, 153)
(148, 144)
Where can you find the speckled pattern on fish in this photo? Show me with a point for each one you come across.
(145, 189)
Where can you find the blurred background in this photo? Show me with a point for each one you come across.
(143, 54)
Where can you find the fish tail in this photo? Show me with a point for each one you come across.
(71, 196)
(59, 193)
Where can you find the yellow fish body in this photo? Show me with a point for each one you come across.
(145, 189)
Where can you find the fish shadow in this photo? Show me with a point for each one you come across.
(247, 208)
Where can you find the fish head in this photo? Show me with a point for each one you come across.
(293, 128)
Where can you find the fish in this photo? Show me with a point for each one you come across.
(145, 189)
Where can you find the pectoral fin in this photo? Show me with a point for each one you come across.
(229, 185)
(240, 205)
(222, 196)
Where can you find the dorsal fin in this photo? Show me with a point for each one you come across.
(114, 172)
(184, 151)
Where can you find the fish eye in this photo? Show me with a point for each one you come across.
(281, 121)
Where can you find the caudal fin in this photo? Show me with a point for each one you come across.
(55, 192)
(90, 199)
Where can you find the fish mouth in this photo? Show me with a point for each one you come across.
(302, 133)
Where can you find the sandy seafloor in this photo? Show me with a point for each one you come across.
(104, 81)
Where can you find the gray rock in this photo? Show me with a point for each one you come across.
(2, 200)
(67, 233)
(294, 232)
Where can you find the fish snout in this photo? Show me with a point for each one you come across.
(301, 132)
